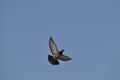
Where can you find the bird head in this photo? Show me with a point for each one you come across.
(61, 52)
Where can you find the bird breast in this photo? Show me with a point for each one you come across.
(56, 56)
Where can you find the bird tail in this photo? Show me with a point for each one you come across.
(52, 60)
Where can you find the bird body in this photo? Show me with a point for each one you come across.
(57, 55)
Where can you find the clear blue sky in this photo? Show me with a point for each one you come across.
(88, 30)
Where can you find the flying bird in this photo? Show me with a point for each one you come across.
(56, 54)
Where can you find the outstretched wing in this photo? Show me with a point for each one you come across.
(53, 46)
(64, 58)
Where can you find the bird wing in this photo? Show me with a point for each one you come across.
(64, 58)
(53, 46)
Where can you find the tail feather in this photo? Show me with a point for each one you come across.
(52, 60)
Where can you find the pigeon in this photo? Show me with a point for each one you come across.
(56, 54)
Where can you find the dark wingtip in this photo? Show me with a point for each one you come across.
(70, 58)
(50, 37)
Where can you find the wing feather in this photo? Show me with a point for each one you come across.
(64, 58)
(53, 46)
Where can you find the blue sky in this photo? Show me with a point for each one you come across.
(88, 30)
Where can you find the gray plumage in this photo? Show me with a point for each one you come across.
(57, 55)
